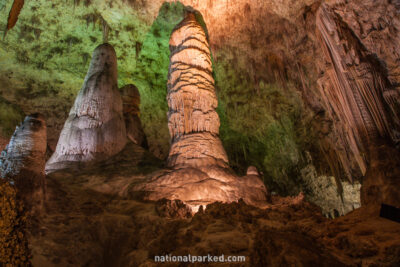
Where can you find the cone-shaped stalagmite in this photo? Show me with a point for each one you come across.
(95, 128)
(192, 120)
(22, 162)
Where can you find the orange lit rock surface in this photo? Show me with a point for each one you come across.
(200, 172)
(192, 120)
(95, 128)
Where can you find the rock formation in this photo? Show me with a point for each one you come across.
(359, 92)
(22, 162)
(95, 128)
(199, 172)
(192, 120)
(355, 91)
(335, 199)
(131, 110)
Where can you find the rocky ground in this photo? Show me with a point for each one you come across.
(91, 219)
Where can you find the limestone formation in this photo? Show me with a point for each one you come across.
(95, 128)
(192, 120)
(131, 104)
(199, 173)
(336, 198)
(22, 162)
(356, 92)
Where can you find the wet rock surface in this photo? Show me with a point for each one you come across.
(95, 128)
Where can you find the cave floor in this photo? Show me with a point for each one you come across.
(90, 219)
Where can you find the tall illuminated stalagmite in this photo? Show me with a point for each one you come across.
(192, 120)
(200, 173)
(95, 128)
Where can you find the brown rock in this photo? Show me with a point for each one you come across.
(172, 209)
(356, 92)
(95, 128)
(22, 162)
(131, 104)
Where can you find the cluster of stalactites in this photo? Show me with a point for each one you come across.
(355, 91)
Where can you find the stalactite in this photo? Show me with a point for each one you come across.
(105, 29)
(13, 15)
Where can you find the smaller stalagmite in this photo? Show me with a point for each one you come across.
(95, 129)
(22, 162)
(131, 103)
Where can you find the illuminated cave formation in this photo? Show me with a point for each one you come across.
(95, 128)
(200, 173)
(192, 118)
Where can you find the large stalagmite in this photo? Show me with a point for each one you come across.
(95, 128)
(192, 120)
(23, 160)
(199, 172)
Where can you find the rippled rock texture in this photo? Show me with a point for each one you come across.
(95, 128)
(200, 174)
(115, 230)
(359, 88)
(355, 90)
(22, 162)
(192, 119)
